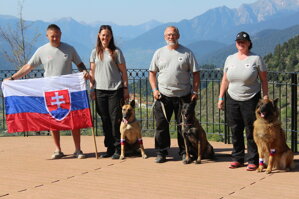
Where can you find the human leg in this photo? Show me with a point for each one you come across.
(115, 98)
(57, 153)
(248, 115)
(103, 111)
(77, 141)
(162, 136)
(237, 127)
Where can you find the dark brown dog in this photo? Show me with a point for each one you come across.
(270, 138)
(196, 143)
(130, 131)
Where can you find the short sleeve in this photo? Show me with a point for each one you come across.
(35, 59)
(120, 59)
(226, 64)
(194, 67)
(261, 64)
(154, 66)
(76, 58)
(92, 56)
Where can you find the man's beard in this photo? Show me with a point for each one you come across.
(172, 43)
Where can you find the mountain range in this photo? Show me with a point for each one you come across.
(210, 35)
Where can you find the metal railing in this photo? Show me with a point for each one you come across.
(281, 85)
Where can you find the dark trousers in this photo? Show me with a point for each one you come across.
(241, 114)
(162, 136)
(108, 105)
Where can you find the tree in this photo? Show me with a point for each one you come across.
(19, 48)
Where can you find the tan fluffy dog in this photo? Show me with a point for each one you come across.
(270, 138)
(130, 131)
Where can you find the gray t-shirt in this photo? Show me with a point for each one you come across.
(56, 60)
(242, 76)
(107, 73)
(174, 68)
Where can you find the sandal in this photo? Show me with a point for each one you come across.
(251, 167)
(234, 165)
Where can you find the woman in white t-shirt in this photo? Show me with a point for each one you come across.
(245, 74)
(109, 86)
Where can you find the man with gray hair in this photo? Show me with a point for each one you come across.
(170, 81)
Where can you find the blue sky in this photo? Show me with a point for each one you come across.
(122, 12)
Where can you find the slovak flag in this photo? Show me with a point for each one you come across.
(50, 103)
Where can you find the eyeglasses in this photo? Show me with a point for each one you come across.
(171, 34)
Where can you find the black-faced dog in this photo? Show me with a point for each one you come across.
(130, 131)
(270, 138)
(196, 143)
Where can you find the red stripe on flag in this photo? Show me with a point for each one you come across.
(21, 122)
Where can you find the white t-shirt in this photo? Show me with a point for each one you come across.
(55, 60)
(107, 73)
(242, 76)
(174, 68)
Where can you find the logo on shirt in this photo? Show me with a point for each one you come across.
(49, 57)
(247, 65)
(65, 56)
(180, 59)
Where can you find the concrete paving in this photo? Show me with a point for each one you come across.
(26, 171)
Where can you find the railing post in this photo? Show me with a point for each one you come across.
(294, 112)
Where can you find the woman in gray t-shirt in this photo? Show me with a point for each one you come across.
(244, 75)
(109, 85)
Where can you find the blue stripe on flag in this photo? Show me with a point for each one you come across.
(23, 104)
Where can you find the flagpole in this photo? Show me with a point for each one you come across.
(92, 129)
(95, 143)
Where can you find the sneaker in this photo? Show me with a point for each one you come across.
(234, 165)
(115, 156)
(251, 167)
(79, 155)
(184, 157)
(57, 155)
(160, 158)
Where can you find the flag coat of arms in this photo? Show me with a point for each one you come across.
(50, 103)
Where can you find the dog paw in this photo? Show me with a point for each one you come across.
(121, 157)
(144, 156)
(268, 171)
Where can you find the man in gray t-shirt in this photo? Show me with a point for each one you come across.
(57, 58)
(173, 63)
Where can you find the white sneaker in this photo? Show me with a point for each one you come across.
(79, 155)
(57, 155)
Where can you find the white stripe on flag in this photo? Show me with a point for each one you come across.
(36, 87)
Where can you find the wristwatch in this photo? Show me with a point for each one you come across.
(194, 92)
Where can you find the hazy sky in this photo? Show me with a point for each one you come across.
(122, 12)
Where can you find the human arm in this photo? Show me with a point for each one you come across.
(264, 83)
(81, 67)
(196, 80)
(124, 76)
(20, 73)
(153, 82)
(223, 88)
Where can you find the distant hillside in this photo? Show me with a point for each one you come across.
(201, 33)
(264, 43)
(285, 57)
(202, 48)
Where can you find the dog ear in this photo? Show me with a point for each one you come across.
(275, 102)
(132, 103)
